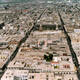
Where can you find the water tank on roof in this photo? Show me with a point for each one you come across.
(55, 59)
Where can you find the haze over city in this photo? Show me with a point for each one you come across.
(38, 0)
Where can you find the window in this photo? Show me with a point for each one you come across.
(66, 66)
(59, 79)
(32, 77)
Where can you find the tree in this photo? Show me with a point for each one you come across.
(48, 58)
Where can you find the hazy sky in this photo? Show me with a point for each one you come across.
(5, 0)
(10, 0)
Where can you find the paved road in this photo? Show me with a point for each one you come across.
(74, 57)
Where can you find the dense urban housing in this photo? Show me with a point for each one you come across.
(40, 40)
